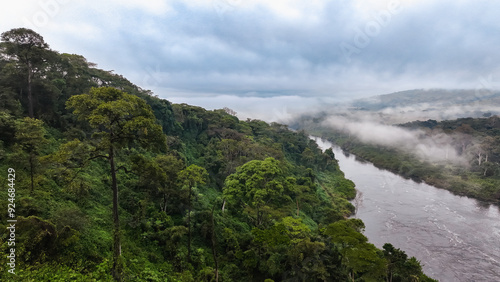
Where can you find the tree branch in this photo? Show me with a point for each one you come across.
(125, 169)
(98, 156)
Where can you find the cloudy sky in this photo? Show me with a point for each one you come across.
(270, 59)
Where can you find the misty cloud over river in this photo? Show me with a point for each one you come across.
(434, 148)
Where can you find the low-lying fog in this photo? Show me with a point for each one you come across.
(376, 124)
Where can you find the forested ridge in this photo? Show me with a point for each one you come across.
(113, 183)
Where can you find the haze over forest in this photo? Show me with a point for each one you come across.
(272, 60)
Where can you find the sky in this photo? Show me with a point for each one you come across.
(273, 59)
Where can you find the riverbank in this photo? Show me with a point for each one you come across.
(452, 178)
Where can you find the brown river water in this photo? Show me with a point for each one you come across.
(455, 238)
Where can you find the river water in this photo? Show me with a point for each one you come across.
(455, 238)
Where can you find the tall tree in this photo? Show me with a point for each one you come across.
(30, 139)
(170, 167)
(360, 257)
(26, 49)
(160, 173)
(261, 188)
(119, 120)
(190, 178)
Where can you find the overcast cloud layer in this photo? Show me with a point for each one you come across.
(246, 54)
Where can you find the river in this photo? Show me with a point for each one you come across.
(455, 238)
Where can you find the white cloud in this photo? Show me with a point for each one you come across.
(273, 109)
(436, 148)
(155, 7)
(275, 48)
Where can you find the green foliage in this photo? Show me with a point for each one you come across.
(30, 139)
(192, 176)
(120, 118)
(216, 197)
(28, 54)
(345, 233)
(260, 187)
(7, 128)
(272, 237)
(361, 258)
(400, 268)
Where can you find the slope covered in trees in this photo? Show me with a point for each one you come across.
(112, 183)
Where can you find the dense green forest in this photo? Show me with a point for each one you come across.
(108, 182)
(476, 141)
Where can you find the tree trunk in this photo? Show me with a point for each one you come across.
(214, 246)
(32, 172)
(164, 208)
(117, 248)
(30, 94)
(298, 209)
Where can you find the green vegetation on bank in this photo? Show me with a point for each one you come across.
(113, 183)
(476, 141)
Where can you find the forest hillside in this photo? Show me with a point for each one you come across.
(108, 182)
